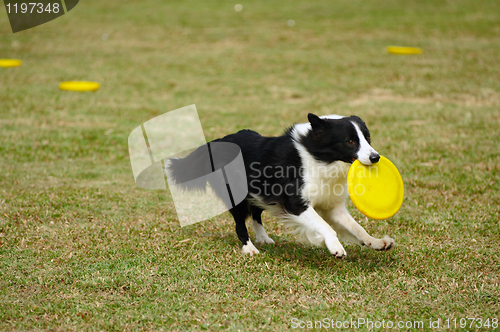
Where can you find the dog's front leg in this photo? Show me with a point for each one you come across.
(317, 226)
(342, 221)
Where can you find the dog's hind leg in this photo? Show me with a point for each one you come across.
(346, 227)
(240, 213)
(260, 233)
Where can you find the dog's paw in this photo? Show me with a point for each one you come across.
(383, 244)
(264, 239)
(336, 248)
(249, 249)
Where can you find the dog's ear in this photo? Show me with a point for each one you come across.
(316, 121)
(318, 125)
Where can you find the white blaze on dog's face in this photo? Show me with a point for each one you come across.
(366, 154)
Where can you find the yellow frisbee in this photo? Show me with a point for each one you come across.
(377, 191)
(404, 50)
(79, 86)
(6, 63)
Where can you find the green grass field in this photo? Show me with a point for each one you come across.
(83, 248)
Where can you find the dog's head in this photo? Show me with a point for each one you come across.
(333, 138)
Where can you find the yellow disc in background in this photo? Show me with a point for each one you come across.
(377, 191)
(7, 63)
(79, 86)
(404, 50)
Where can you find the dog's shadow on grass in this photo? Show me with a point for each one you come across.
(296, 253)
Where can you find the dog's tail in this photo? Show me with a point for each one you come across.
(189, 173)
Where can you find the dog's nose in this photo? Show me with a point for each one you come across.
(374, 158)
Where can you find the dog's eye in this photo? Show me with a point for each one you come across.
(351, 142)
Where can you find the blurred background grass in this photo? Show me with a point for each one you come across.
(83, 248)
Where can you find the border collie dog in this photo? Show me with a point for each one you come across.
(301, 178)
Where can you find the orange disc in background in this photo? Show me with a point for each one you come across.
(79, 86)
(404, 50)
(8, 63)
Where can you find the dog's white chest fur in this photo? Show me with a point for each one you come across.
(325, 185)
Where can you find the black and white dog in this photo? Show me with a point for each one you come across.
(300, 177)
